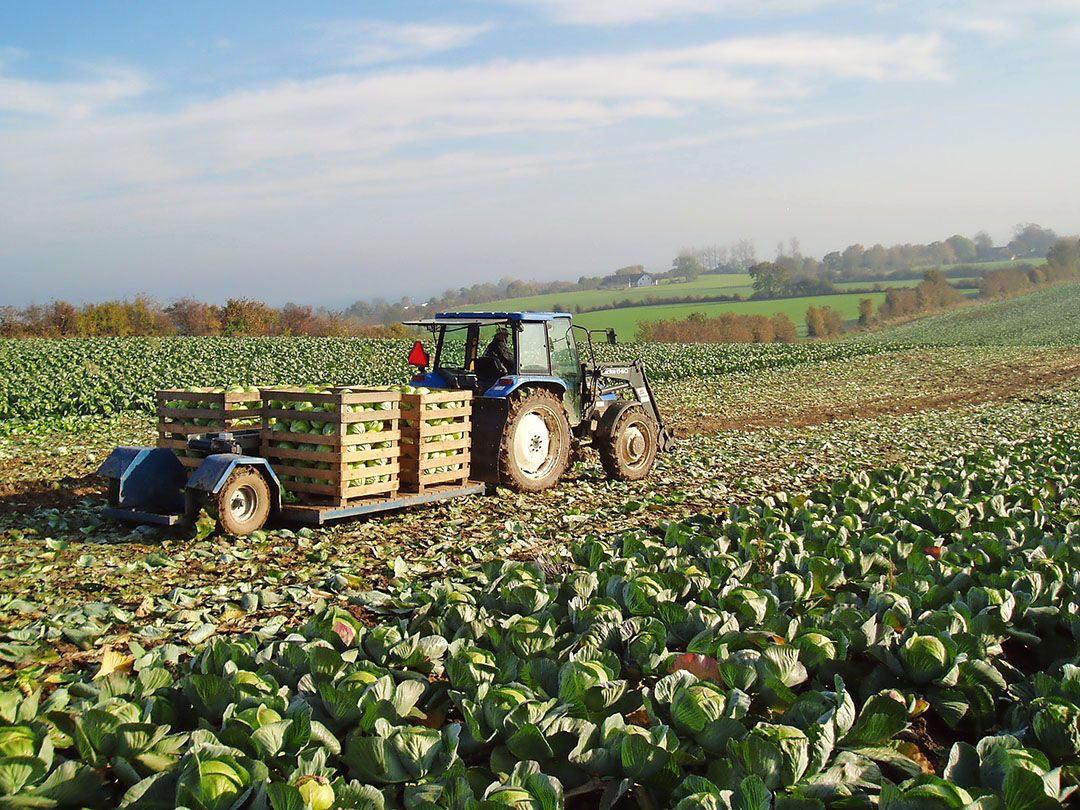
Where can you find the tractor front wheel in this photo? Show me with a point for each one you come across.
(535, 446)
(627, 443)
(243, 504)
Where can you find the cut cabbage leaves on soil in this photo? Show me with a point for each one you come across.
(834, 662)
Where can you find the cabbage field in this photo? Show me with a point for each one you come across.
(1048, 317)
(42, 378)
(854, 583)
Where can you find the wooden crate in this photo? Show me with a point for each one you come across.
(186, 412)
(421, 437)
(341, 454)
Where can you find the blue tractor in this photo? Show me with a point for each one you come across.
(537, 401)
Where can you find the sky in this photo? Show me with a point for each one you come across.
(324, 152)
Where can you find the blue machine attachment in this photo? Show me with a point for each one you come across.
(150, 485)
(215, 470)
(146, 484)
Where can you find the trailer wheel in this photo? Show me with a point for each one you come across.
(535, 443)
(243, 504)
(627, 441)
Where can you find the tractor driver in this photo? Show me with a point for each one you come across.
(501, 351)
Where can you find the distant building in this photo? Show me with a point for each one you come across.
(1001, 254)
(628, 281)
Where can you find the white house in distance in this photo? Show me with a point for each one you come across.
(628, 281)
(640, 280)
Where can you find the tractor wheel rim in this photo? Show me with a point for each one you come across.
(244, 503)
(532, 446)
(635, 445)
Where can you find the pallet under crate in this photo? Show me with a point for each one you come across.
(420, 438)
(335, 481)
(217, 410)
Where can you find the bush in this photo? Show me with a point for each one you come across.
(726, 328)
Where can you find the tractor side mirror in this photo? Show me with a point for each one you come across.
(418, 356)
(611, 337)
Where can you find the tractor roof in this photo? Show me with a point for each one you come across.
(487, 318)
(505, 316)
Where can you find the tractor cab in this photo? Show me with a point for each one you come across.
(494, 354)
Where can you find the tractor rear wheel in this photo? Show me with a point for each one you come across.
(243, 504)
(627, 442)
(535, 446)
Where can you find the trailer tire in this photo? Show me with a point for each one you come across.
(242, 505)
(627, 440)
(535, 445)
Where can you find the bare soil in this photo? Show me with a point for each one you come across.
(981, 384)
(26, 495)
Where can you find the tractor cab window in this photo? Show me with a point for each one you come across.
(453, 348)
(487, 335)
(533, 349)
(492, 359)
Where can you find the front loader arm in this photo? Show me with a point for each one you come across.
(634, 378)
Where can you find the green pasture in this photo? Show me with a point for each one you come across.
(720, 284)
(625, 321)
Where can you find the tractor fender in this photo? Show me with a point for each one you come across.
(211, 475)
(509, 384)
(610, 416)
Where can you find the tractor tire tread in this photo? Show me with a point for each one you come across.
(613, 423)
(508, 473)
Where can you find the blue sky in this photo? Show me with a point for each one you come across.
(329, 151)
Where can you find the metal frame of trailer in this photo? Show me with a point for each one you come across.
(314, 514)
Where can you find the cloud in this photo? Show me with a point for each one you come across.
(103, 88)
(362, 43)
(349, 134)
(987, 26)
(999, 19)
(627, 12)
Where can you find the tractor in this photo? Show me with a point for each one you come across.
(537, 402)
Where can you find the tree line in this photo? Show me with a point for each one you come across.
(791, 274)
(935, 293)
(239, 317)
(932, 294)
(734, 258)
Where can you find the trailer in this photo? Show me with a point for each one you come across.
(150, 485)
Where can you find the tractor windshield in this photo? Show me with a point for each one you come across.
(453, 348)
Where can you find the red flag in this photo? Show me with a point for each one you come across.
(418, 355)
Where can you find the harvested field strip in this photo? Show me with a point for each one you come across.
(902, 382)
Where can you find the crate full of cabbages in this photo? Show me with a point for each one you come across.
(436, 431)
(186, 412)
(333, 445)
